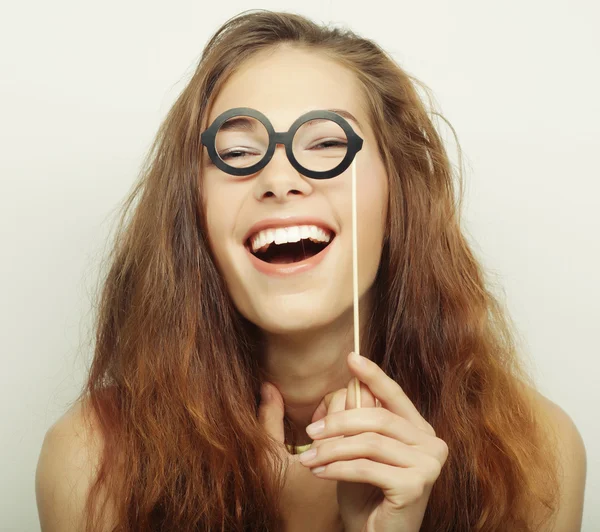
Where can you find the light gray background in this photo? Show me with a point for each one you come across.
(85, 85)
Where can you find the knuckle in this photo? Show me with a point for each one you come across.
(373, 441)
(382, 416)
(330, 423)
(362, 466)
(427, 428)
(441, 450)
(334, 399)
(433, 471)
(417, 485)
(430, 429)
(334, 448)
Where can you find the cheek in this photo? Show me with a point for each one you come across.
(372, 195)
(371, 210)
(219, 213)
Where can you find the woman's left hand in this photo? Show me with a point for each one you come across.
(387, 461)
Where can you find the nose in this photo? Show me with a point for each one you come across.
(279, 179)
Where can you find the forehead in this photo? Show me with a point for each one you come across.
(287, 82)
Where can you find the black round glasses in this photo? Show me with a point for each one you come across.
(320, 144)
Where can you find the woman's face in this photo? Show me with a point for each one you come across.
(293, 297)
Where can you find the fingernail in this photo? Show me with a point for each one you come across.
(318, 469)
(308, 455)
(359, 360)
(316, 428)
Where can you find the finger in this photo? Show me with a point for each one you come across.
(338, 401)
(335, 402)
(387, 390)
(380, 420)
(329, 403)
(367, 399)
(400, 485)
(369, 445)
(271, 411)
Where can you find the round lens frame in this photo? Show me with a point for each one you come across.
(208, 138)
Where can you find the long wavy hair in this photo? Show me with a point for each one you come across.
(174, 382)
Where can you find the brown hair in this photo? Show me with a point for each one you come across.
(174, 382)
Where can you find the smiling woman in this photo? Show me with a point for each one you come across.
(225, 321)
(304, 182)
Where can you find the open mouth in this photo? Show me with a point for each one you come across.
(290, 252)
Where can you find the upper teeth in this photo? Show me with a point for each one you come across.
(283, 235)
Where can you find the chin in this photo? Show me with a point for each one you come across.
(292, 319)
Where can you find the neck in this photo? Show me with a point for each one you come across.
(307, 365)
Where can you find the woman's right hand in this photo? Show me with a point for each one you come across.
(308, 502)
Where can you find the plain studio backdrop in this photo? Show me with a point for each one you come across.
(84, 87)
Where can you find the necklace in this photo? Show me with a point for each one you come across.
(297, 449)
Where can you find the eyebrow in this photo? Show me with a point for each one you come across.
(346, 114)
(246, 124)
(238, 123)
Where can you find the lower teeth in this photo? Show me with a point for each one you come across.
(287, 260)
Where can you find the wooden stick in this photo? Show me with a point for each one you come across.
(355, 279)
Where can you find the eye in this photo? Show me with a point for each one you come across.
(233, 154)
(332, 143)
(237, 153)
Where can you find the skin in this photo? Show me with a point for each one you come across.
(393, 453)
(307, 319)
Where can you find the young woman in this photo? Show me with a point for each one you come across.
(226, 322)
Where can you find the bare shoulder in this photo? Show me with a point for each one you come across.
(66, 469)
(572, 461)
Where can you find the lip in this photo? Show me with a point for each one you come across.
(287, 221)
(283, 270)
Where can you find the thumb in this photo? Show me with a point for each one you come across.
(271, 411)
(332, 402)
